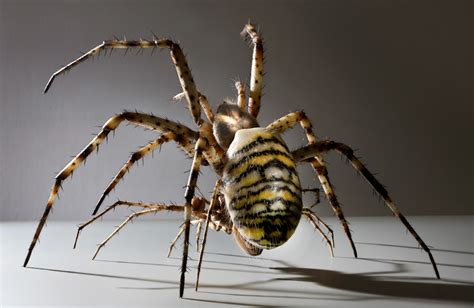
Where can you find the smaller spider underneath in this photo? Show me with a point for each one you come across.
(258, 194)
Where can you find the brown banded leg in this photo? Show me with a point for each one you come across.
(184, 136)
(198, 235)
(315, 220)
(317, 191)
(108, 209)
(141, 153)
(214, 200)
(215, 225)
(256, 76)
(150, 209)
(329, 229)
(180, 232)
(317, 162)
(322, 147)
(241, 95)
(201, 145)
(202, 101)
(173, 242)
(182, 69)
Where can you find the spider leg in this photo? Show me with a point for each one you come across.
(180, 232)
(256, 77)
(198, 235)
(151, 209)
(318, 164)
(108, 209)
(182, 69)
(216, 226)
(321, 147)
(201, 145)
(316, 192)
(241, 95)
(184, 136)
(147, 149)
(202, 101)
(214, 201)
(314, 220)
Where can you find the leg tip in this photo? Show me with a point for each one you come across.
(26, 261)
(354, 250)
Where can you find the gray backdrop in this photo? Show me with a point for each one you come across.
(393, 79)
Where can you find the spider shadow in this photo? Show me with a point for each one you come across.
(368, 285)
(417, 248)
(253, 289)
(245, 288)
(373, 283)
(110, 276)
(177, 266)
(238, 256)
(174, 285)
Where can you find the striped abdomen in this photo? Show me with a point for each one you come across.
(262, 188)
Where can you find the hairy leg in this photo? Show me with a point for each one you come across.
(184, 136)
(171, 207)
(150, 209)
(241, 95)
(214, 200)
(141, 153)
(321, 147)
(182, 69)
(318, 164)
(256, 78)
(202, 101)
(316, 192)
(198, 235)
(201, 145)
(173, 243)
(315, 220)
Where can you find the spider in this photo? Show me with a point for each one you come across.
(258, 194)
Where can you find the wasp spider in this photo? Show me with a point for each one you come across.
(257, 197)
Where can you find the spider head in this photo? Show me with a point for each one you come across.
(228, 120)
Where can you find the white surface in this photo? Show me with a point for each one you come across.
(133, 270)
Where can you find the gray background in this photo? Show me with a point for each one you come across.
(393, 79)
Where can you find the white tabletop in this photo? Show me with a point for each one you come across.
(132, 270)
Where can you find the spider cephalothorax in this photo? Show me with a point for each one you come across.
(228, 120)
(257, 196)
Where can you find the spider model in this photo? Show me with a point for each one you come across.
(257, 197)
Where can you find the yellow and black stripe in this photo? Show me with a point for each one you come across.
(262, 188)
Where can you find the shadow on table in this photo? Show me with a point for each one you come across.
(417, 248)
(372, 283)
(255, 286)
(177, 266)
